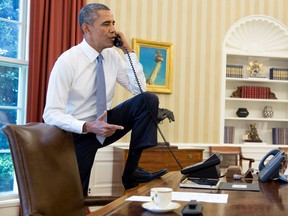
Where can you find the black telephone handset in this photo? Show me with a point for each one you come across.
(208, 168)
(118, 42)
(271, 170)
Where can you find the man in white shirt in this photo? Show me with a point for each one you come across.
(71, 97)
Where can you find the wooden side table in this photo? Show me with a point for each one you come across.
(159, 157)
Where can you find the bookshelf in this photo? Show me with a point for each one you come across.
(249, 41)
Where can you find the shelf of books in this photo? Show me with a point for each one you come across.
(274, 134)
(237, 71)
(278, 74)
(280, 136)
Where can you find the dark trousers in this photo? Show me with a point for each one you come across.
(132, 115)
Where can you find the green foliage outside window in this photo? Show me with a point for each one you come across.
(9, 28)
(6, 173)
(9, 81)
(9, 97)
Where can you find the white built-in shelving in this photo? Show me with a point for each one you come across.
(263, 39)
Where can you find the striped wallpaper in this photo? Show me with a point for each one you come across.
(197, 29)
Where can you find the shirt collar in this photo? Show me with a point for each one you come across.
(91, 53)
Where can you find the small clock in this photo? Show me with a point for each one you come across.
(255, 68)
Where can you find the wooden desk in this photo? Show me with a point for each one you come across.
(271, 200)
(159, 157)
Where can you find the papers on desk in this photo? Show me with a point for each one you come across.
(200, 197)
(187, 196)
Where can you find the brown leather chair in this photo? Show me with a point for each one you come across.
(46, 171)
(234, 151)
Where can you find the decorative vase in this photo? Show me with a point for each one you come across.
(268, 112)
(242, 112)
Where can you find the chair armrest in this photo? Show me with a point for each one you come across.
(251, 160)
(99, 200)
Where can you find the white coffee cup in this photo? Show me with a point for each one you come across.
(161, 196)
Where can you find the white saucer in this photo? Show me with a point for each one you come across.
(150, 206)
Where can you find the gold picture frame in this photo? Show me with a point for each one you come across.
(156, 58)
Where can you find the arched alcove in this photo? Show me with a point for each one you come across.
(259, 35)
(264, 40)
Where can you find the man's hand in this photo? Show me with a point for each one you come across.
(100, 127)
(125, 47)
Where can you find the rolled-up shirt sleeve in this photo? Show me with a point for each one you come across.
(55, 112)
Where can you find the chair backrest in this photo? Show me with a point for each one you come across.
(46, 170)
(231, 155)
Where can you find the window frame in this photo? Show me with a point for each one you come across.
(21, 61)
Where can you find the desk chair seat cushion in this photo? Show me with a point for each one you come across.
(46, 170)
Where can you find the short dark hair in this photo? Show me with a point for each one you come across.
(88, 13)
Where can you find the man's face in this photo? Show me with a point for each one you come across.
(101, 33)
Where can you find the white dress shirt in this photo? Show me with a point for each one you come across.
(71, 95)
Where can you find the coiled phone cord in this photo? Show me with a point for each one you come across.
(150, 112)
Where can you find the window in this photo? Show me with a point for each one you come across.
(13, 80)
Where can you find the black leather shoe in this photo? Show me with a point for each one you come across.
(139, 176)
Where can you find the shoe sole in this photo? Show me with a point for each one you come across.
(156, 177)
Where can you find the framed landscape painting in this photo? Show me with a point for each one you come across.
(156, 58)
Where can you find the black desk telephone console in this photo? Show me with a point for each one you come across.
(208, 168)
(271, 170)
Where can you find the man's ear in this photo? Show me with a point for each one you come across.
(85, 28)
